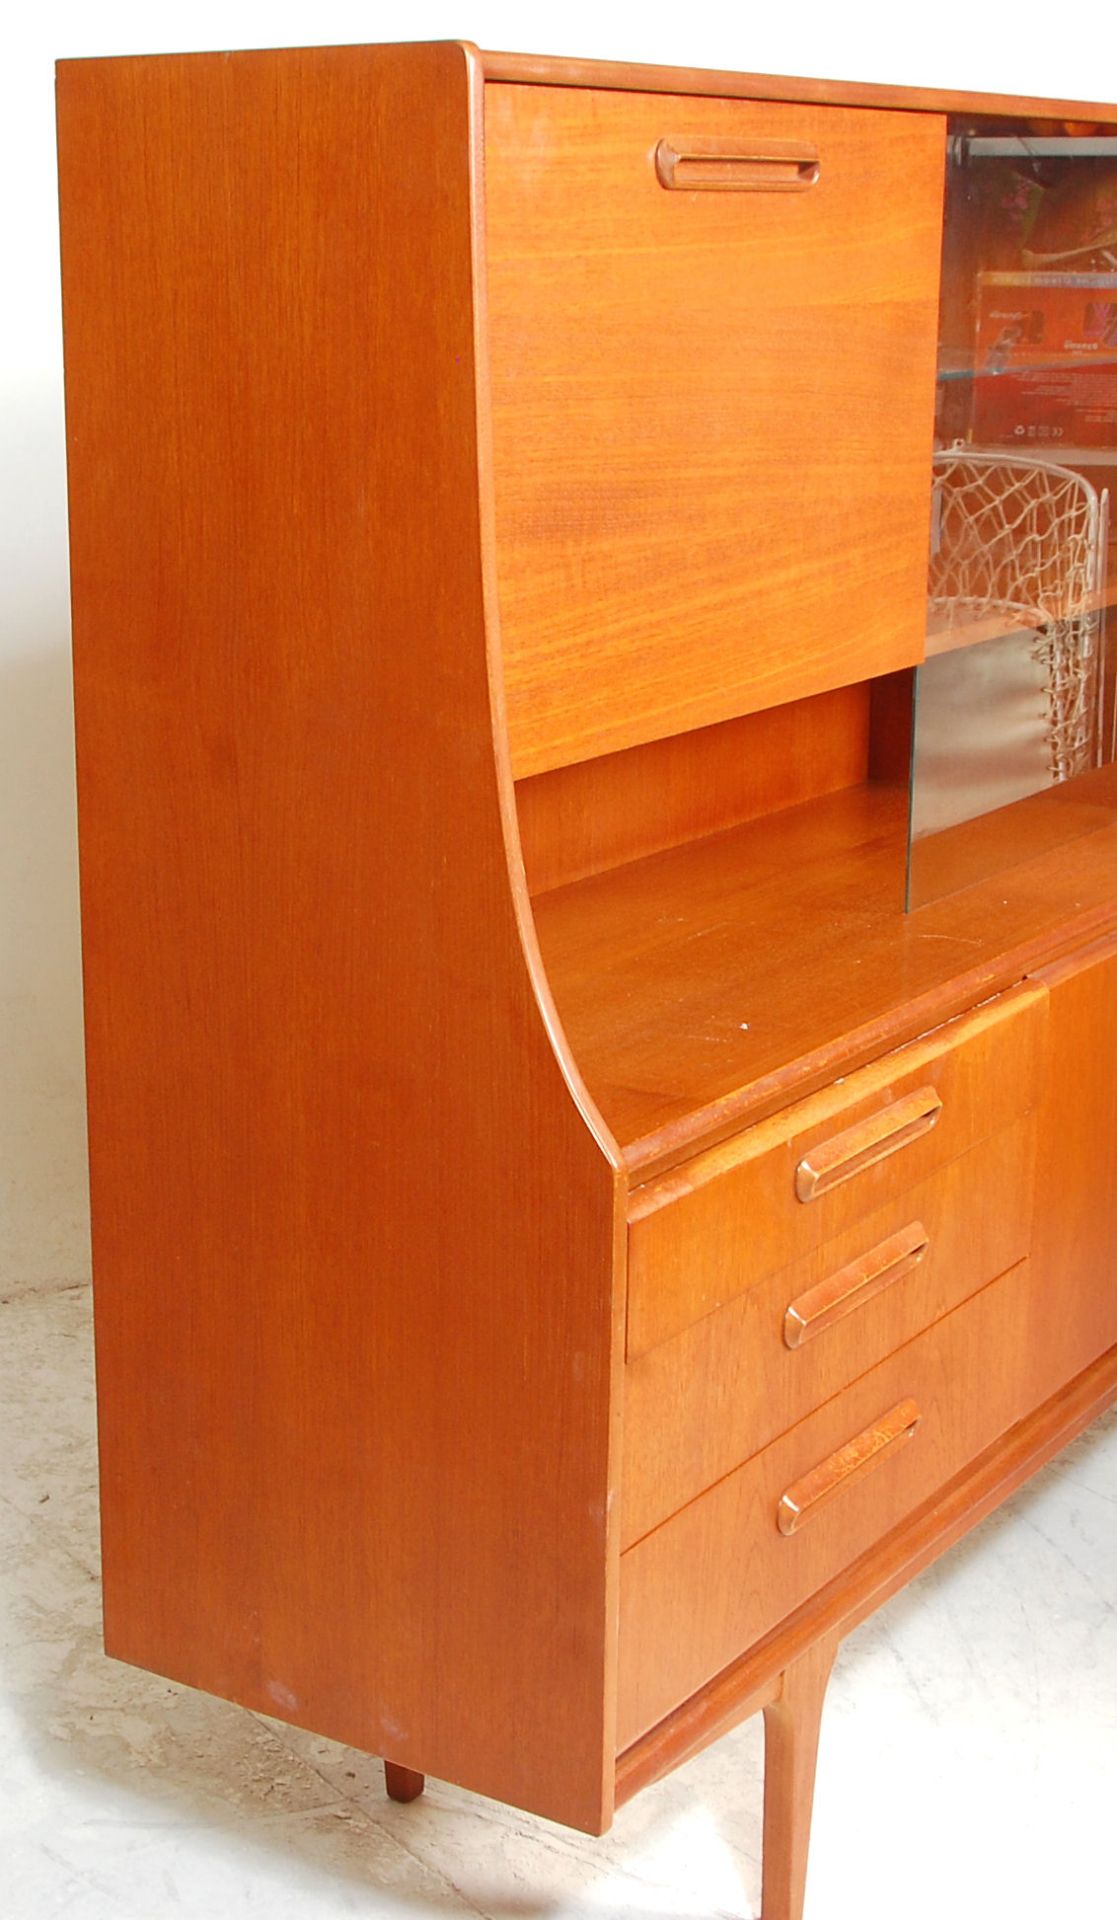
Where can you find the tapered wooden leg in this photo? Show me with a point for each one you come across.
(791, 1728)
(402, 1783)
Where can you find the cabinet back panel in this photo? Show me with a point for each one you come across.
(711, 412)
(597, 814)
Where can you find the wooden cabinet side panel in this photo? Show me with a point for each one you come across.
(1075, 1243)
(353, 1243)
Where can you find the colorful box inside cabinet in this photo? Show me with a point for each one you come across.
(1046, 363)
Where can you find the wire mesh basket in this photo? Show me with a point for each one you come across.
(1020, 545)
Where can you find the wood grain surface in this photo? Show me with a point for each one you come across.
(712, 413)
(1076, 1184)
(353, 1240)
(717, 1225)
(699, 1405)
(718, 1576)
(792, 1723)
(748, 1684)
(602, 813)
(707, 986)
(537, 69)
(363, 1118)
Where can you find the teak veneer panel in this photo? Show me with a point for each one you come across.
(353, 1242)
(712, 984)
(1076, 1187)
(698, 1405)
(558, 70)
(746, 1685)
(359, 1226)
(718, 1576)
(679, 537)
(597, 814)
(712, 1227)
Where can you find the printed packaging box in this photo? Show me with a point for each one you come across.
(1046, 360)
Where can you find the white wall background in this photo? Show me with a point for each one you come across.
(1031, 46)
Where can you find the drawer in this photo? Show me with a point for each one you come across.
(708, 1231)
(723, 1389)
(718, 1576)
(711, 410)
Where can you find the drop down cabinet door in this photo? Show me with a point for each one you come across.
(712, 349)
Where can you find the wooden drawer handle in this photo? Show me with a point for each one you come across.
(859, 1456)
(722, 166)
(821, 1307)
(861, 1146)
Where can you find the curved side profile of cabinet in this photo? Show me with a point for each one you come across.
(354, 1242)
(408, 1189)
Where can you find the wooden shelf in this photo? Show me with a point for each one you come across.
(718, 981)
(944, 637)
(963, 365)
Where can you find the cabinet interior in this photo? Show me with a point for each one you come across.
(1016, 694)
(713, 978)
(717, 907)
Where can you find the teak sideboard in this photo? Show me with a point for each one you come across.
(567, 1243)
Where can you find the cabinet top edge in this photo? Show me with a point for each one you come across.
(559, 70)
(453, 51)
(548, 70)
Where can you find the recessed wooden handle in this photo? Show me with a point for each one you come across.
(853, 1285)
(897, 1125)
(859, 1456)
(711, 165)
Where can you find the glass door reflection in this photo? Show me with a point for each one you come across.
(1014, 716)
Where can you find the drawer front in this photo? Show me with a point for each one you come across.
(711, 404)
(700, 1404)
(706, 1233)
(712, 1581)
